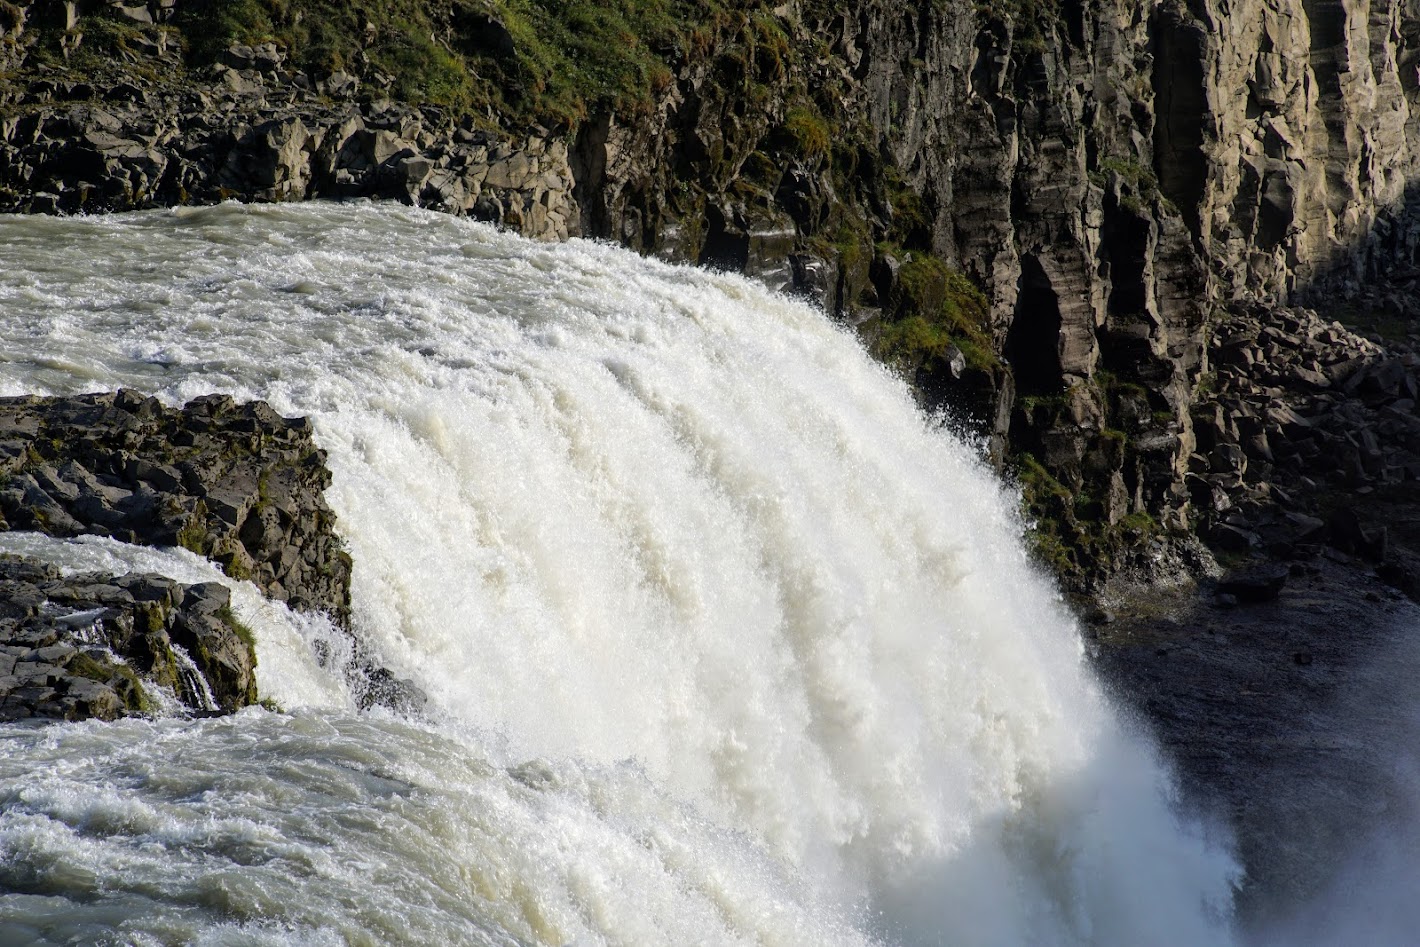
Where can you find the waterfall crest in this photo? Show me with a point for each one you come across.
(724, 641)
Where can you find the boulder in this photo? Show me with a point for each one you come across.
(1259, 584)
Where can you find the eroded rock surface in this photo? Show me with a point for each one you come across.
(246, 129)
(93, 645)
(236, 483)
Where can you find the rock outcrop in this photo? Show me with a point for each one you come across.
(238, 484)
(245, 129)
(90, 645)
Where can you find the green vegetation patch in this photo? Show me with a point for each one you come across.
(554, 61)
(1070, 534)
(809, 131)
(941, 308)
(240, 629)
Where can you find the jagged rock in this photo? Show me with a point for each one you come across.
(236, 483)
(93, 645)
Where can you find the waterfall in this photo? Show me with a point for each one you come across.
(724, 641)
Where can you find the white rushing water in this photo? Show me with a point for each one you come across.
(724, 641)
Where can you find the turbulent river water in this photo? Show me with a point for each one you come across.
(724, 641)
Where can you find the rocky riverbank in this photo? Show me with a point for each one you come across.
(236, 483)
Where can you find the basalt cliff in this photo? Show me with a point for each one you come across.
(1160, 255)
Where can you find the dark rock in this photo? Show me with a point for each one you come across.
(1260, 584)
(1232, 538)
(377, 686)
(1347, 535)
(236, 483)
(97, 649)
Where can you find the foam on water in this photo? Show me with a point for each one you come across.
(768, 635)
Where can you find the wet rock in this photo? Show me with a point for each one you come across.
(74, 647)
(236, 483)
(1258, 584)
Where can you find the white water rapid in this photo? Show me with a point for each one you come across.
(725, 643)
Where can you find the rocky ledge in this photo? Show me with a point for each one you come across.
(92, 645)
(236, 483)
(250, 129)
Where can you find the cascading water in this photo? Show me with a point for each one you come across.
(724, 642)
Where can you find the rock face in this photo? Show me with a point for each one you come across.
(1306, 135)
(1111, 173)
(247, 130)
(92, 645)
(238, 484)
(1037, 211)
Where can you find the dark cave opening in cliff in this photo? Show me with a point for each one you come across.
(1033, 343)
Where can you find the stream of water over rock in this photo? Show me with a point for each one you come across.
(724, 641)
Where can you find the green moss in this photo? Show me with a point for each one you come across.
(241, 630)
(194, 536)
(1140, 522)
(232, 560)
(1070, 534)
(248, 640)
(423, 71)
(937, 308)
(566, 57)
(130, 690)
(1133, 172)
(809, 131)
(1051, 405)
(81, 665)
(153, 616)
